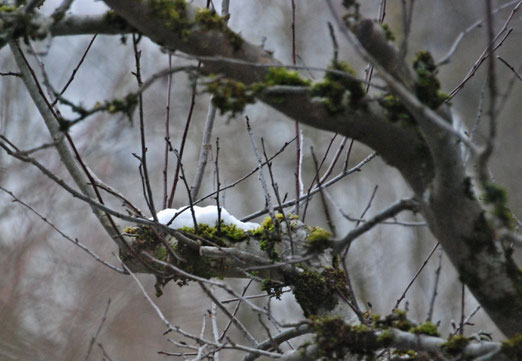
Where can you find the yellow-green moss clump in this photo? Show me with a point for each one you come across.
(230, 95)
(112, 18)
(221, 235)
(273, 288)
(387, 32)
(16, 23)
(427, 86)
(125, 105)
(334, 89)
(455, 345)
(188, 258)
(335, 339)
(316, 292)
(283, 76)
(396, 112)
(397, 319)
(8, 8)
(268, 236)
(208, 19)
(385, 338)
(497, 196)
(426, 328)
(318, 240)
(173, 15)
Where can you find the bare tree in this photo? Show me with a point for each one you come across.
(397, 110)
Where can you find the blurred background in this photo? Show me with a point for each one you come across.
(53, 296)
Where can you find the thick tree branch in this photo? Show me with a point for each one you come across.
(455, 218)
(399, 146)
(64, 151)
(454, 215)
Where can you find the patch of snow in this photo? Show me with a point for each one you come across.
(204, 215)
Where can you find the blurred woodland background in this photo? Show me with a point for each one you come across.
(53, 296)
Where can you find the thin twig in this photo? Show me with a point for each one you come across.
(278, 65)
(335, 44)
(261, 176)
(168, 144)
(466, 320)
(73, 241)
(510, 67)
(490, 48)
(236, 309)
(184, 179)
(246, 176)
(323, 198)
(215, 328)
(209, 125)
(407, 17)
(298, 132)
(182, 146)
(143, 159)
(316, 175)
(331, 182)
(93, 339)
(75, 70)
(462, 307)
(507, 92)
(415, 277)
(435, 287)
(278, 197)
(475, 25)
(204, 151)
(230, 316)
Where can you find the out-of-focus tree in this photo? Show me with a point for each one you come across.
(106, 138)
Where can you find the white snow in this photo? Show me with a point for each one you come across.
(204, 215)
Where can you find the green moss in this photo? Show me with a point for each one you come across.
(283, 76)
(427, 86)
(387, 32)
(125, 105)
(233, 233)
(194, 263)
(318, 240)
(161, 253)
(8, 8)
(267, 243)
(173, 15)
(268, 236)
(497, 196)
(397, 319)
(230, 95)
(112, 18)
(272, 288)
(334, 88)
(189, 259)
(396, 112)
(406, 354)
(336, 339)
(426, 328)
(208, 19)
(15, 23)
(316, 292)
(512, 347)
(226, 233)
(455, 345)
(385, 338)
